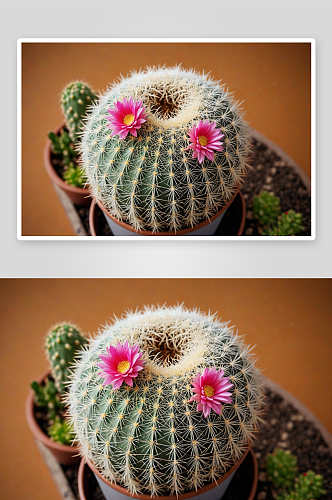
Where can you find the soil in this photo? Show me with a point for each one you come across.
(268, 172)
(284, 428)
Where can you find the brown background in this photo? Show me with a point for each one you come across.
(272, 79)
(289, 320)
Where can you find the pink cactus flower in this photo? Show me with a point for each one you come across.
(126, 116)
(121, 363)
(204, 140)
(210, 389)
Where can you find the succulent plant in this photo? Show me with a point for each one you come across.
(152, 437)
(62, 344)
(61, 431)
(266, 208)
(62, 145)
(75, 100)
(289, 224)
(47, 396)
(152, 181)
(308, 486)
(282, 469)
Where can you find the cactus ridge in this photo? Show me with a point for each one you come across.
(152, 182)
(150, 438)
(62, 343)
(76, 97)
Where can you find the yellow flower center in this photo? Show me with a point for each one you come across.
(128, 119)
(208, 391)
(202, 140)
(123, 366)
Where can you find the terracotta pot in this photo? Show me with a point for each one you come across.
(79, 196)
(63, 453)
(247, 463)
(205, 228)
(238, 208)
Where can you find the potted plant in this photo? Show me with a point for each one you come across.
(164, 151)
(61, 156)
(45, 409)
(165, 402)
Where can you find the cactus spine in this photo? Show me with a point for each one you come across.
(75, 99)
(62, 343)
(150, 438)
(152, 182)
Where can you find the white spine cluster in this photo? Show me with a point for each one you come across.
(150, 438)
(152, 182)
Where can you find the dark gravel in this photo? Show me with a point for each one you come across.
(284, 428)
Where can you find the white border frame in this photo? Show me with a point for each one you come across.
(312, 41)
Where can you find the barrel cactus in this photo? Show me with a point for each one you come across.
(147, 431)
(63, 342)
(151, 178)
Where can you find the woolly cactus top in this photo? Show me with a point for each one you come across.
(150, 437)
(153, 182)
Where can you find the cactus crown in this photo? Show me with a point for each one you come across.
(151, 438)
(62, 343)
(153, 182)
(75, 99)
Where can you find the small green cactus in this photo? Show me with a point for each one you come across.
(62, 344)
(289, 224)
(47, 396)
(75, 100)
(307, 487)
(61, 431)
(282, 469)
(266, 208)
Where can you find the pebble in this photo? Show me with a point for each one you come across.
(273, 171)
(279, 163)
(249, 231)
(250, 215)
(267, 187)
(268, 179)
(245, 196)
(284, 436)
(289, 426)
(261, 495)
(258, 454)
(262, 477)
(282, 444)
(274, 421)
(259, 167)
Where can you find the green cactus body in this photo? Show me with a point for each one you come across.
(62, 344)
(151, 438)
(152, 182)
(75, 99)
(282, 469)
(266, 208)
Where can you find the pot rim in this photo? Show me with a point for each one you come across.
(36, 430)
(53, 174)
(145, 232)
(93, 228)
(184, 496)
